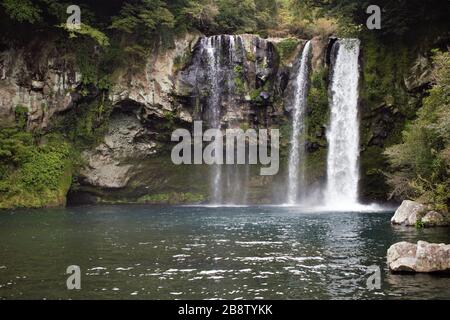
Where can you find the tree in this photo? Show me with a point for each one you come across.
(421, 163)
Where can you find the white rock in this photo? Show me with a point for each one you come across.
(407, 213)
(423, 257)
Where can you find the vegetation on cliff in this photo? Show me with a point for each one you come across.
(33, 172)
(421, 162)
(36, 167)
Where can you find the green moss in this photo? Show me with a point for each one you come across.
(86, 124)
(384, 69)
(286, 48)
(172, 198)
(419, 224)
(21, 115)
(315, 166)
(182, 60)
(154, 198)
(373, 162)
(250, 56)
(239, 80)
(285, 128)
(255, 95)
(318, 109)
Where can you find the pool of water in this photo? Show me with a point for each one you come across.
(148, 252)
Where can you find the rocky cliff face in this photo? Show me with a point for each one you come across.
(39, 79)
(174, 87)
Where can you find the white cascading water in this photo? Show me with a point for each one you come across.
(220, 73)
(296, 155)
(210, 46)
(343, 131)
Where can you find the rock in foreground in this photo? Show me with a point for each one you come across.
(423, 257)
(410, 212)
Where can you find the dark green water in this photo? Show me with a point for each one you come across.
(144, 252)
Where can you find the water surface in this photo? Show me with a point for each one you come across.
(148, 252)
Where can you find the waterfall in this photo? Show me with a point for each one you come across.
(220, 54)
(343, 131)
(297, 151)
(211, 46)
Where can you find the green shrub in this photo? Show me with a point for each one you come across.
(419, 224)
(33, 174)
(21, 115)
(421, 162)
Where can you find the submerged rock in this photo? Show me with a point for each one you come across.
(423, 257)
(410, 213)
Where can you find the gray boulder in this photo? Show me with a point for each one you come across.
(410, 212)
(434, 219)
(423, 257)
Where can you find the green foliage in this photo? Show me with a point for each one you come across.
(97, 71)
(202, 13)
(154, 198)
(144, 16)
(405, 18)
(245, 16)
(286, 48)
(318, 110)
(86, 30)
(419, 224)
(182, 60)
(33, 174)
(239, 80)
(422, 160)
(255, 95)
(86, 124)
(21, 115)
(172, 198)
(285, 137)
(384, 70)
(22, 10)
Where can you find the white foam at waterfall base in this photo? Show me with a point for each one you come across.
(341, 192)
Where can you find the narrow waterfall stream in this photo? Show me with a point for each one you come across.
(297, 151)
(343, 131)
(211, 46)
(227, 184)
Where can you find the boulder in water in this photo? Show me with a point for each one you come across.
(410, 212)
(407, 213)
(434, 218)
(420, 257)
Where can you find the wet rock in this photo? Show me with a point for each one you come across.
(245, 69)
(423, 257)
